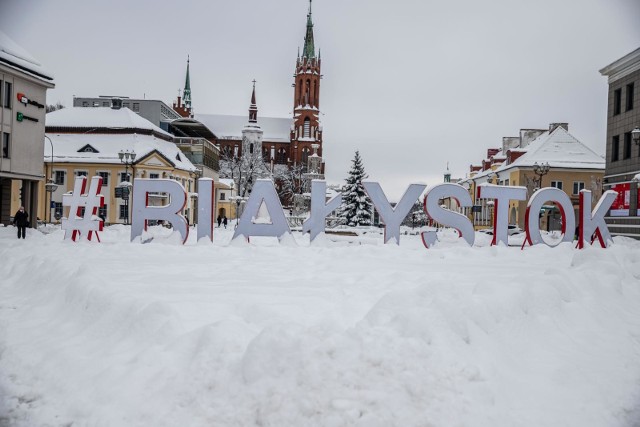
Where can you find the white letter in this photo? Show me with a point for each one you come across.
(594, 223)
(532, 217)
(446, 217)
(263, 191)
(392, 217)
(501, 194)
(142, 211)
(319, 210)
(206, 200)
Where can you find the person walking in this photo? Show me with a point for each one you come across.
(224, 221)
(219, 221)
(21, 220)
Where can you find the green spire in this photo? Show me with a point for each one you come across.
(187, 88)
(309, 50)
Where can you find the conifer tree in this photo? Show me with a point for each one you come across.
(357, 207)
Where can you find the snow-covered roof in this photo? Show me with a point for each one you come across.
(100, 118)
(16, 57)
(70, 148)
(227, 182)
(561, 150)
(276, 129)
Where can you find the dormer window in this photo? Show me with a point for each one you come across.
(88, 149)
(178, 157)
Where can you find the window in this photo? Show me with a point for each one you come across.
(136, 107)
(615, 148)
(82, 211)
(617, 101)
(81, 173)
(7, 95)
(6, 142)
(85, 103)
(629, 101)
(105, 104)
(124, 212)
(154, 175)
(96, 104)
(125, 105)
(59, 177)
(627, 146)
(557, 184)
(307, 128)
(222, 196)
(105, 177)
(282, 156)
(305, 156)
(57, 210)
(577, 186)
(124, 177)
(102, 212)
(251, 148)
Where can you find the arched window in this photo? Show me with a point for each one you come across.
(251, 148)
(307, 128)
(305, 156)
(307, 89)
(281, 158)
(314, 93)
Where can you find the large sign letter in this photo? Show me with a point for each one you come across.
(319, 210)
(79, 223)
(446, 217)
(142, 211)
(593, 223)
(532, 216)
(392, 217)
(206, 200)
(501, 194)
(263, 192)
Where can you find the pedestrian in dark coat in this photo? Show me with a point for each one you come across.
(21, 220)
(224, 221)
(219, 221)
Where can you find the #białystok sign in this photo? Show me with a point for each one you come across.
(591, 224)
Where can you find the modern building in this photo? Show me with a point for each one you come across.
(537, 158)
(94, 142)
(622, 171)
(23, 90)
(156, 111)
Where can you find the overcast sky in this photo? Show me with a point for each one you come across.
(412, 84)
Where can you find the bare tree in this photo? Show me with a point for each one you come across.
(244, 168)
(292, 180)
(57, 106)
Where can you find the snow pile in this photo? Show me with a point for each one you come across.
(335, 334)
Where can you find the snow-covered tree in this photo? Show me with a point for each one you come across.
(357, 208)
(244, 169)
(416, 216)
(292, 180)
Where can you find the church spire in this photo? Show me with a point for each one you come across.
(309, 50)
(186, 93)
(253, 109)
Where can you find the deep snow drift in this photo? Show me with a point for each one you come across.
(349, 332)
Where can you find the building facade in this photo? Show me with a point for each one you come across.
(537, 158)
(88, 142)
(23, 90)
(156, 111)
(623, 153)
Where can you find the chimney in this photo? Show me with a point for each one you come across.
(116, 103)
(554, 126)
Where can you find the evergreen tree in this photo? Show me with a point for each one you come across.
(357, 207)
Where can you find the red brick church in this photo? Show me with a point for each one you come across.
(285, 140)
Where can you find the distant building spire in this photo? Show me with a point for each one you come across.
(186, 94)
(253, 109)
(447, 174)
(309, 50)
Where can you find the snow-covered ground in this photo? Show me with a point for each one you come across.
(346, 333)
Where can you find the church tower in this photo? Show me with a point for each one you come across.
(183, 105)
(306, 131)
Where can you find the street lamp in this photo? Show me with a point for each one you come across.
(127, 158)
(540, 170)
(635, 135)
(50, 187)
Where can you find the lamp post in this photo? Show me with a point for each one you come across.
(635, 135)
(540, 171)
(50, 187)
(127, 158)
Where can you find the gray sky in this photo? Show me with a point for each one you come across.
(412, 84)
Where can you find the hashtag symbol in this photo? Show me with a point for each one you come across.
(84, 223)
